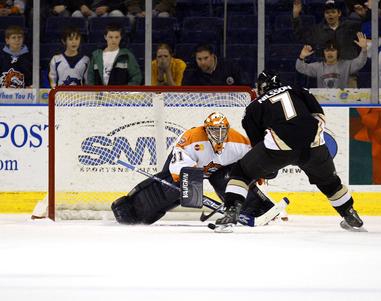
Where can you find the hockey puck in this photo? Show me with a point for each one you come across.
(211, 226)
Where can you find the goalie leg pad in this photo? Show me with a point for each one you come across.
(147, 202)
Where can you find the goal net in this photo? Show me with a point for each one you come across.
(90, 128)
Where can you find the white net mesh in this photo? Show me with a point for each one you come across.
(94, 129)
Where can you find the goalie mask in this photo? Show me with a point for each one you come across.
(217, 127)
(267, 81)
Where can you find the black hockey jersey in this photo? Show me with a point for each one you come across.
(285, 118)
(15, 69)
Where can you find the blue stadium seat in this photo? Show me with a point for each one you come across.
(244, 35)
(58, 24)
(281, 64)
(289, 51)
(167, 24)
(185, 51)
(209, 37)
(88, 48)
(286, 36)
(189, 8)
(100, 24)
(246, 21)
(239, 51)
(236, 7)
(158, 36)
(48, 50)
(288, 77)
(367, 67)
(12, 20)
(138, 49)
(248, 67)
(364, 80)
(283, 21)
(203, 23)
(243, 21)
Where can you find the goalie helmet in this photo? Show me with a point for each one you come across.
(217, 127)
(267, 81)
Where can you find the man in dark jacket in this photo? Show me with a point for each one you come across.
(113, 65)
(212, 72)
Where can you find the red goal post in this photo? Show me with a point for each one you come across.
(91, 127)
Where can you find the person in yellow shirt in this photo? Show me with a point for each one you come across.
(167, 70)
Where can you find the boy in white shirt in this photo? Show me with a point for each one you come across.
(114, 65)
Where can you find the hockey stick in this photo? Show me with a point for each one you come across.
(207, 202)
(204, 217)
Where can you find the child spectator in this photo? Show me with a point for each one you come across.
(9, 7)
(69, 67)
(333, 72)
(332, 29)
(113, 65)
(15, 60)
(167, 70)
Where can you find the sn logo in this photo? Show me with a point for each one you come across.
(101, 150)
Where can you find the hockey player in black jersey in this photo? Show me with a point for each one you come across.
(285, 126)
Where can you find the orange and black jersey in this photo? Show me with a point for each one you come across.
(285, 118)
(193, 149)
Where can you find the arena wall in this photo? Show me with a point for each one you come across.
(24, 162)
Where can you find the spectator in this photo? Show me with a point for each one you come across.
(87, 8)
(10, 8)
(161, 8)
(113, 65)
(332, 29)
(211, 72)
(70, 67)
(333, 72)
(167, 70)
(15, 60)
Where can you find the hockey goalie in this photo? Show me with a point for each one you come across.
(208, 151)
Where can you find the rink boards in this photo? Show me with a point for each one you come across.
(24, 165)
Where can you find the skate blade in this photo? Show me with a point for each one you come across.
(228, 228)
(347, 227)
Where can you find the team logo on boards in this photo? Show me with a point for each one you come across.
(133, 142)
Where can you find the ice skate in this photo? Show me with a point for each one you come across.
(352, 221)
(226, 223)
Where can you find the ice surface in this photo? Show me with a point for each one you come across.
(307, 258)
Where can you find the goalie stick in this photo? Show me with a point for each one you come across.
(244, 219)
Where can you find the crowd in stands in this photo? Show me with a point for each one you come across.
(321, 44)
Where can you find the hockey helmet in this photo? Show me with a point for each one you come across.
(217, 126)
(266, 81)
